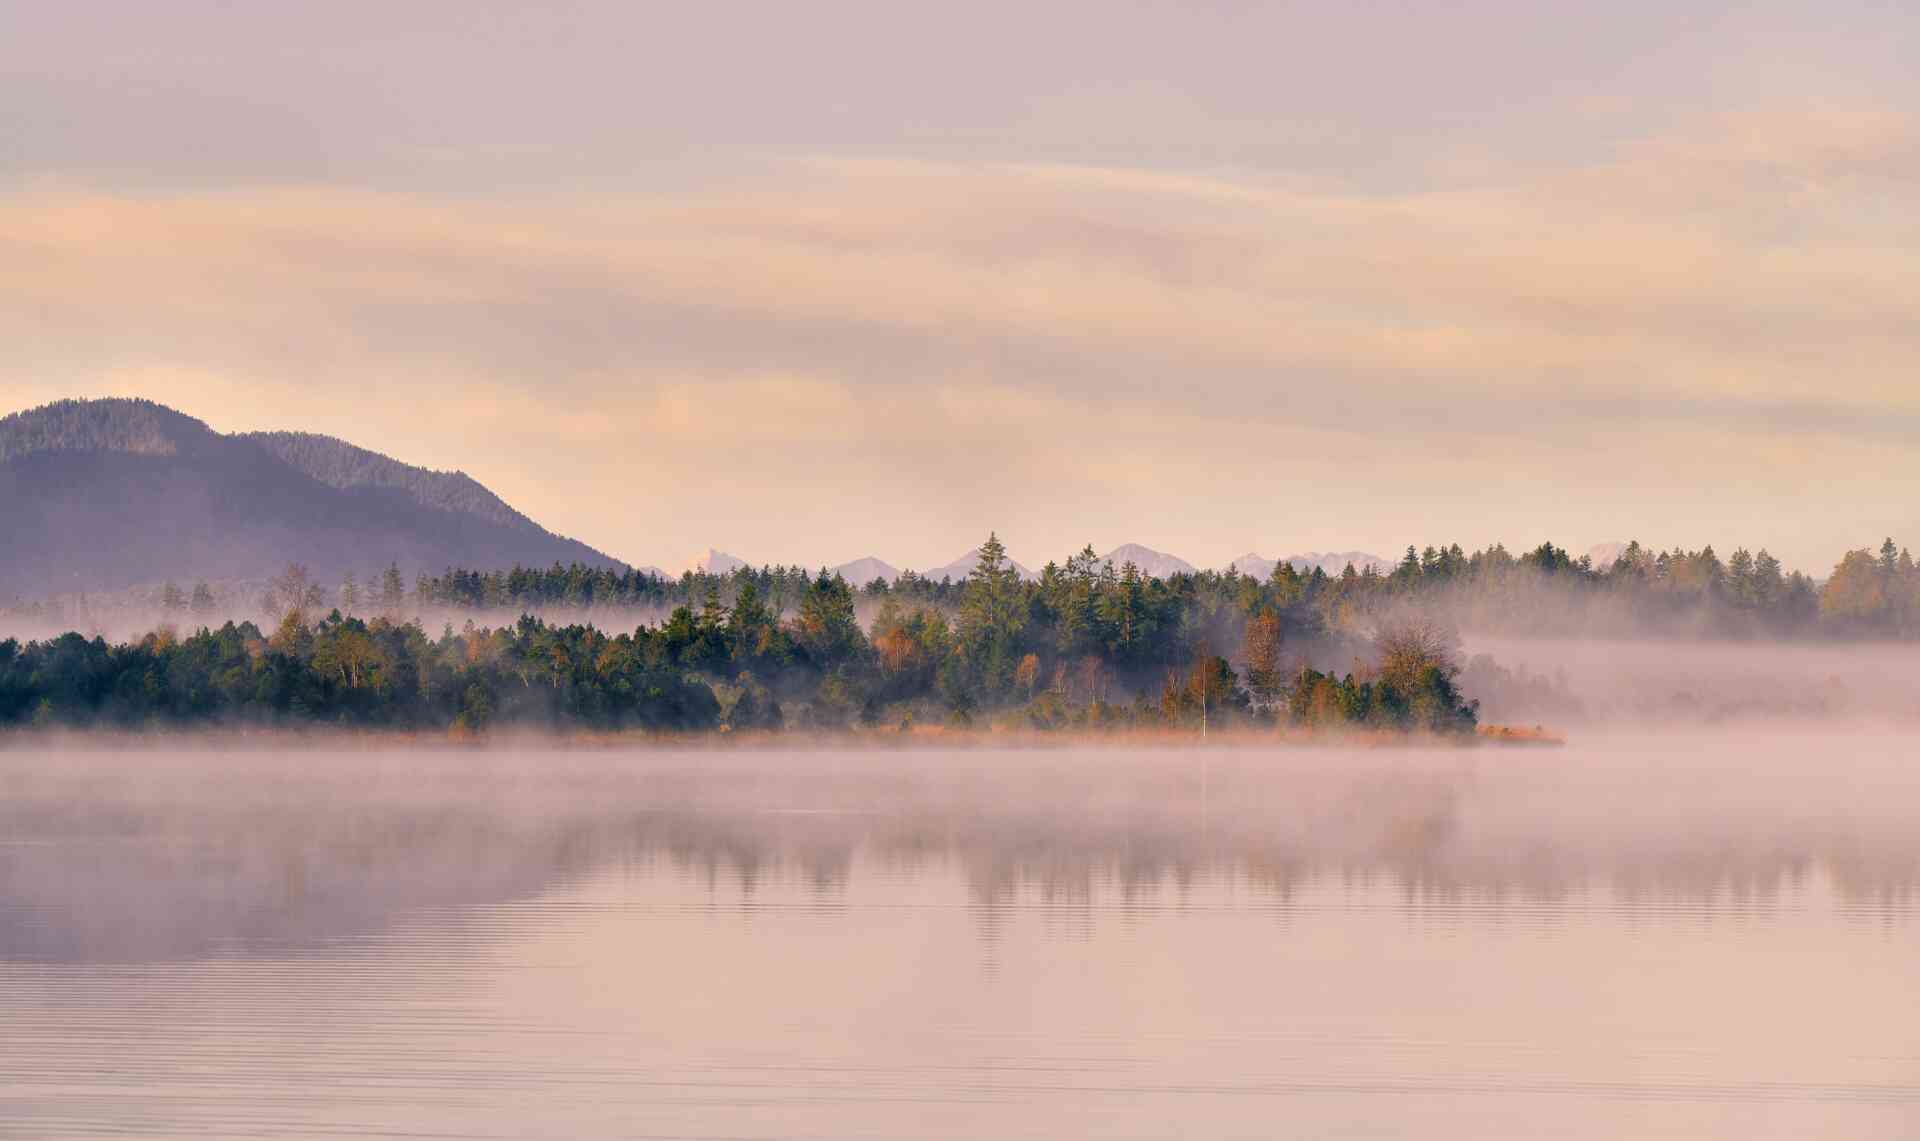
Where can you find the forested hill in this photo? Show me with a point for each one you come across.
(104, 494)
(337, 463)
(133, 427)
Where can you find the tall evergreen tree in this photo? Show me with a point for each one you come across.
(989, 610)
(392, 590)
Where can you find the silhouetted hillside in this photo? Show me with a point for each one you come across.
(337, 463)
(103, 494)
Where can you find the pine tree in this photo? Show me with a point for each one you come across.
(392, 590)
(1288, 586)
(1407, 575)
(988, 610)
(1740, 582)
(1769, 584)
(713, 616)
(828, 627)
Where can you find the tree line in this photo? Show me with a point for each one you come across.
(1087, 645)
(1545, 590)
(351, 672)
(1542, 591)
(1084, 644)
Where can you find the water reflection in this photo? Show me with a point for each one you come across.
(1636, 938)
(128, 859)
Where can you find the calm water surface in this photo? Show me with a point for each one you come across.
(1701, 936)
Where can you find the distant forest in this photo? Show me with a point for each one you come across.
(1542, 591)
(1084, 645)
(1545, 591)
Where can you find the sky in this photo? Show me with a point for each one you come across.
(811, 282)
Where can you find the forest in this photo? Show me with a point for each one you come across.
(1545, 591)
(1542, 592)
(1082, 645)
(1085, 647)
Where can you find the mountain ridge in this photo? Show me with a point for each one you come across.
(1336, 562)
(105, 494)
(340, 464)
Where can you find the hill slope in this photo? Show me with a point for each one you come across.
(104, 494)
(337, 463)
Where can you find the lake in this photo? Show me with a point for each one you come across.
(1707, 933)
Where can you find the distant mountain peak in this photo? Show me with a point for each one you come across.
(1336, 562)
(1157, 564)
(713, 560)
(862, 571)
(1604, 555)
(1254, 565)
(960, 568)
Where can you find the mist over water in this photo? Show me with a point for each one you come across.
(1700, 932)
(1600, 683)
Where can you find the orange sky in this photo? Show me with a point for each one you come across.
(1643, 276)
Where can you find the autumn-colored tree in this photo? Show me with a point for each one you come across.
(1857, 592)
(1411, 644)
(291, 638)
(1027, 674)
(1262, 651)
(1092, 678)
(1207, 691)
(1314, 699)
(349, 653)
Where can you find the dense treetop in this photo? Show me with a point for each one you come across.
(1545, 590)
(137, 427)
(1085, 643)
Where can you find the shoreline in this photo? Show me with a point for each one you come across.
(223, 738)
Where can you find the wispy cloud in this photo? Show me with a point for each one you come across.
(923, 349)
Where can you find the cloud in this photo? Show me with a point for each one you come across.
(916, 344)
